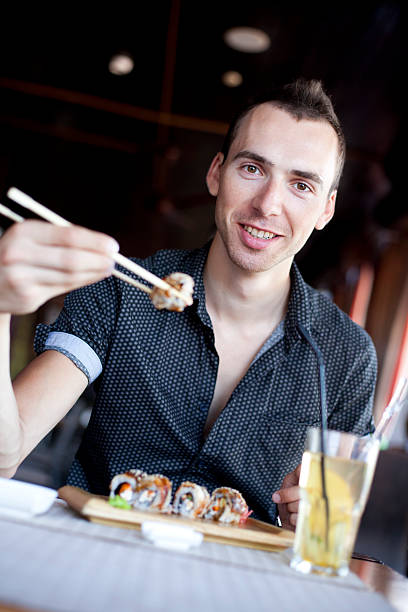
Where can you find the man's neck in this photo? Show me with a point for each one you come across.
(241, 295)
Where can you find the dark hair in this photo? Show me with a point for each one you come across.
(303, 99)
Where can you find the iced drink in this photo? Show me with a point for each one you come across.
(325, 536)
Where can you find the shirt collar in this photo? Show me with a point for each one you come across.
(195, 268)
(299, 309)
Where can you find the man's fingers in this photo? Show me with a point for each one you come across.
(40, 254)
(72, 260)
(33, 256)
(81, 238)
(73, 236)
(288, 514)
(39, 260)
(23, 294)
(288, 498)
(293, 507)
(284, 496)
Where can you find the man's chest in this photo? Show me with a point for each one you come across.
(188, 370)
(236, 350)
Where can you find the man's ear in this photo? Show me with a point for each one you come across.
(213, 174)
(328, 211)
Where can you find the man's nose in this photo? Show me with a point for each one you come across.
(269, 200)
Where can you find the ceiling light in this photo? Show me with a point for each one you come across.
(232, 78)
(120, 64)
(248, 40)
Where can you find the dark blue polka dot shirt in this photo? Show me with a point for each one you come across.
(155, 377)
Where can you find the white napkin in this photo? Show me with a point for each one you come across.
(169, 536)
(24, 499)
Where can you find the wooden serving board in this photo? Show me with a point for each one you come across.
(252, 534)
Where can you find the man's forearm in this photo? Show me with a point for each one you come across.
(10, 425)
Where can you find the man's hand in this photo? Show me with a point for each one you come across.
(39, 261)
(288, 498)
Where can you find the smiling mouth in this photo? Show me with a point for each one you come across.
(259, 233)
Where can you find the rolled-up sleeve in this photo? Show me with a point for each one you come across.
(83, 329)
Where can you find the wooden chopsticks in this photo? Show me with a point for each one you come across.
(40, 210)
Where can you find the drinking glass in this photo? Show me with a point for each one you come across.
(334, 491)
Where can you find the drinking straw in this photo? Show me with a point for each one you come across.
(323, 419)
(389, 418)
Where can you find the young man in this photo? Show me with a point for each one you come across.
(221, 394)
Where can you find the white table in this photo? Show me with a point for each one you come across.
(60, 562)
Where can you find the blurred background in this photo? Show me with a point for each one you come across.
(112, 120)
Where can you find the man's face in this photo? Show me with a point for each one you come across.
(273, 188)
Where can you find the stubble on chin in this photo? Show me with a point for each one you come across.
(249, 260)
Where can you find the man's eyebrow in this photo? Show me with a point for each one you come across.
(251, 155)
(312, 176)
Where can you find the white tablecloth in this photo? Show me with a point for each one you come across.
(61, 562)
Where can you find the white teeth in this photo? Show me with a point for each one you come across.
(259, 233)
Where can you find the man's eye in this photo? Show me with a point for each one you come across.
(302, 186)
(251, 169)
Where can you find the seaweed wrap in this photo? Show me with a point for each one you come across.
(190, 500)
(152, 492)
(227, 506)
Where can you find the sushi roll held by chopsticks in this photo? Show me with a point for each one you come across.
(167, 299)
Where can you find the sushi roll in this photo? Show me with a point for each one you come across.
(166, 299)
(227, 506)
(152, 492)
(123, 486)
(190, 500)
